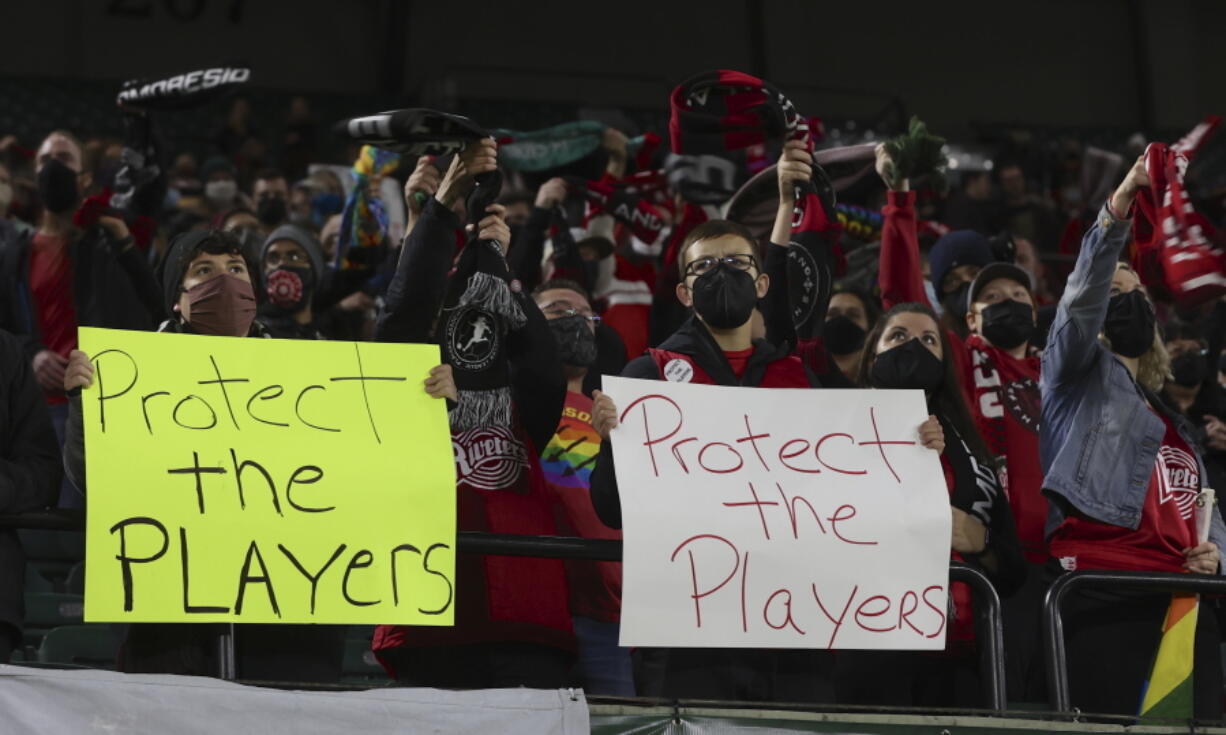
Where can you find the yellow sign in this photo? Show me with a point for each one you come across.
(266, 481)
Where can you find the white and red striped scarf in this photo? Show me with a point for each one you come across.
(1170, 233)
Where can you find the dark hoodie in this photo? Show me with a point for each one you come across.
(285, 326)
(695, 342)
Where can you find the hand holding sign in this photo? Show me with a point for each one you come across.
(778, 518)
(604, 414)
(265, 480)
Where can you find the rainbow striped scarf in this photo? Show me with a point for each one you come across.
(364, 219)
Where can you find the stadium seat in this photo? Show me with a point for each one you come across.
(36, 582)
(75, 583)
(82, 645)
(361, 666)
(53, 609)
(53, 553)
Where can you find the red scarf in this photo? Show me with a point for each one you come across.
(1173, 239)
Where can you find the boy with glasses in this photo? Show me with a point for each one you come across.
(722, 281)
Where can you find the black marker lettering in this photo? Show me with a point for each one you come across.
(126, 562)
(314, 579)
(294, 480)
(199, 472)
(221, 383)
(246, 578)
(188, 607)
(360, 560)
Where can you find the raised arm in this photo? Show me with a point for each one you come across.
(528, 250)
(1072, 343)
(136, 267)
(902, 273)
(801, 270)
(416, 291)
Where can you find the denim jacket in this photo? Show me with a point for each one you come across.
(1099, 440)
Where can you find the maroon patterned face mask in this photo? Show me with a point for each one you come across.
(223, 306)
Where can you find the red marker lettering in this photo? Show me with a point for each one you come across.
(845, 513)
(787, 606)
(650, 441)
(940, 611)
(873, 613)
(817, 452)
(785, 455)
(881, 445)
(752, 438)
(839, 622)
(904, 611)
(697, 596)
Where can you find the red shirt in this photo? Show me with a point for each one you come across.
(51, 286)
(568, 459)
(1168, 520)
(738, 359)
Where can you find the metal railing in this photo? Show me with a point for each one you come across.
(1053, 623)
(988, 627)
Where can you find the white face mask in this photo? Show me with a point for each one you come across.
(6, 197)
(221, 192)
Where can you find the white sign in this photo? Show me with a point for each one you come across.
(779, 518)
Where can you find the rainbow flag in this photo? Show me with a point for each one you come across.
(1168, 692)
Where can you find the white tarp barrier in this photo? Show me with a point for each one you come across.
(90, 701)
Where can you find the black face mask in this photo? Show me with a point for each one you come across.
(1130, 324)
(57, 187)
(955, 301)
(289, 289)
(271, 210)
(842, 336)
(576, 341)
(1008, 323)
(1190, 370)
(910, 365)
(724, 297)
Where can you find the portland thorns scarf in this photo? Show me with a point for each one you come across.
(480, 310)
(1172, 237)
(728, 110)
(636, 202)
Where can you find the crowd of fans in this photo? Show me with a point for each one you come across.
(1071, 372)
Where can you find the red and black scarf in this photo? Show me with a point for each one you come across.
(1173, 239)
(726, 110)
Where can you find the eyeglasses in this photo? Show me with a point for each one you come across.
(559, 312)
(740, 261)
